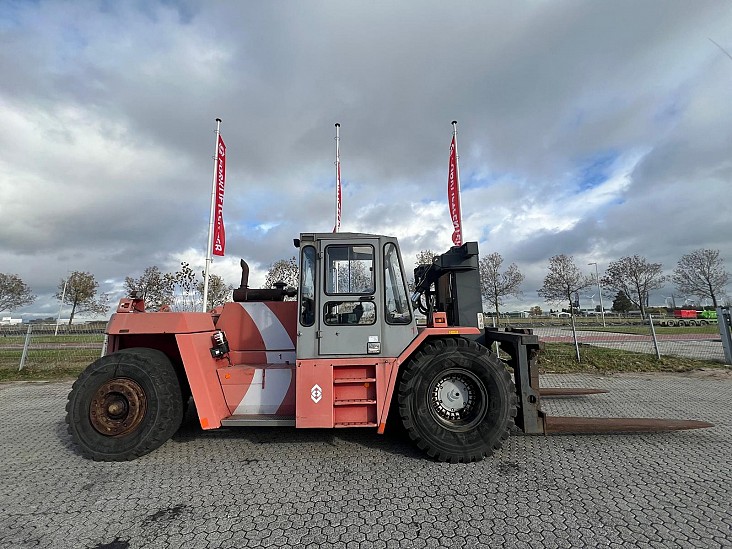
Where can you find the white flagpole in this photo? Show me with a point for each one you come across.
(339, 190)
(457, 173)
(209, 257)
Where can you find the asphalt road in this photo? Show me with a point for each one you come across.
(281, 487)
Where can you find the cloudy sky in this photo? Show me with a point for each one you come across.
(596, 129)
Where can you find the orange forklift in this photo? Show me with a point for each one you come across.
(346, 353)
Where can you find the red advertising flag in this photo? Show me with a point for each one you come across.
(219, 238)
(338, 198)
(339, 195)
(453, 195)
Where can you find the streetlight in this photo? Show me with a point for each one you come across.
(60, 307)
(599, 287)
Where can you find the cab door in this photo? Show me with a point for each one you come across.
(350, 323)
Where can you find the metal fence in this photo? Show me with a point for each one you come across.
(724, 314)
(694, 342)
(47, 346)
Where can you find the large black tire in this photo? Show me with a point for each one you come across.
(457, 400)
(158, 357)
(124, 405)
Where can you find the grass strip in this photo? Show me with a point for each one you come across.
(35, 373)
(554, 358)
(560, 358)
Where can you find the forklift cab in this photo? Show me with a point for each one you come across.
(353, 297)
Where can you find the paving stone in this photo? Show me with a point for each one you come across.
(254, 487)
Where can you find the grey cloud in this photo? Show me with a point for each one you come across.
(537, 89)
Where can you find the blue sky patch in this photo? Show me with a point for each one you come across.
(596, 170)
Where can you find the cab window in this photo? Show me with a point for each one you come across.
(349, 269)
(395, 294)
(349, 313)
(307, 286)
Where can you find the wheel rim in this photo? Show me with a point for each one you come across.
(458, 399)
(118, 407)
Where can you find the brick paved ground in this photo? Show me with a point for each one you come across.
(284, 488)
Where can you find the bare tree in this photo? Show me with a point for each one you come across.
(283, 270)
(426, 257)
(81, 293)
(635, 277)
(156, 288)
(186, 294)
(187, 289)
(14, 292)
(219, 292)
(496, 285)
(563, 280)
(701, 273)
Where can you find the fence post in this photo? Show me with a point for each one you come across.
(724, 321)
(498, 354)
(25, 347)
(653, 335)
(574, 334)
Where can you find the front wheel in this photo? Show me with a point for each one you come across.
(124, 405)
(456, 400)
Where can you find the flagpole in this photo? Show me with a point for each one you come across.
(209, 258)
(337, 224)
(457, 173)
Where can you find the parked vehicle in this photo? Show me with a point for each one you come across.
(688, 317)
(346, 354)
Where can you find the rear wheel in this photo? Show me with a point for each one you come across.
(456, 400)
(124, 405)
